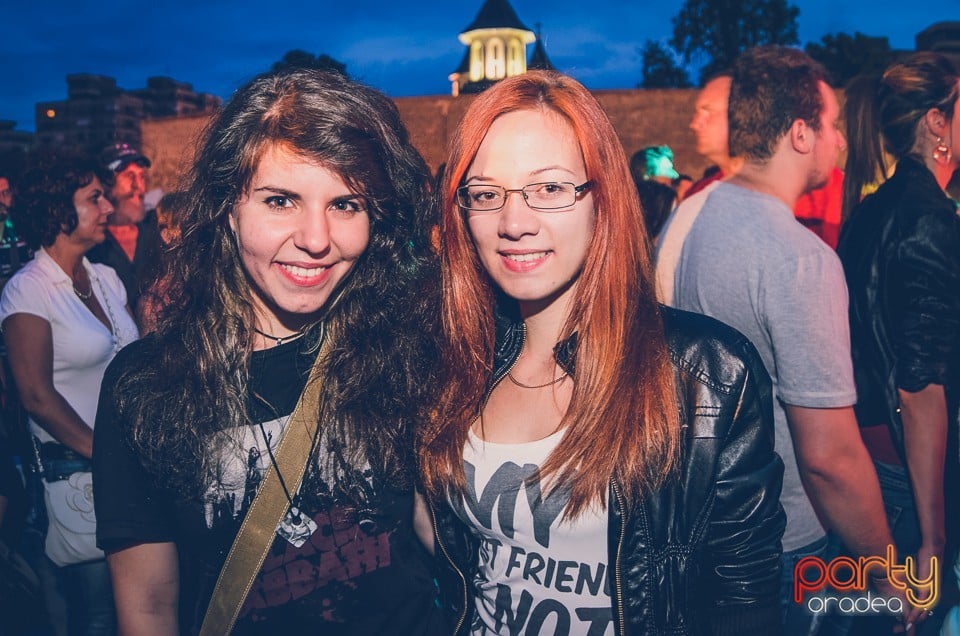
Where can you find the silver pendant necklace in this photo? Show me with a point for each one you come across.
(295, 526)
(280, 339)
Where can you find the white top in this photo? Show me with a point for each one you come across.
(538, 574)
(82, 345)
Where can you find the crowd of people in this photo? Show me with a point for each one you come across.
(550, 391)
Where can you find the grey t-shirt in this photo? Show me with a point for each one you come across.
(750, 264)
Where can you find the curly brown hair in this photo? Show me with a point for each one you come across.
(44, 205)
(383, 354)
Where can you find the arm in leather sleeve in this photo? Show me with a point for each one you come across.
(747, 521)
(926, 344)
(927, 288)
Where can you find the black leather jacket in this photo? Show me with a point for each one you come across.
(702, 555)
(901, 255)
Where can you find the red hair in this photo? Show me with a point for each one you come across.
(623, 417)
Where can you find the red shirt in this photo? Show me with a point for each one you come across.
(821, 209)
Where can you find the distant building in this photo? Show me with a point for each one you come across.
(941, 37)
(97, 112)
(14, 141)
(166, 97)
(496, 44)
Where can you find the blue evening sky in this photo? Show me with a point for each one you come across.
(402, 47)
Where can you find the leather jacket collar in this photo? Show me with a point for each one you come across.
(511, 333)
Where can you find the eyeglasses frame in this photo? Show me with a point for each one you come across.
(577, 191)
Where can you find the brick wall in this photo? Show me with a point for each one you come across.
(641, 118)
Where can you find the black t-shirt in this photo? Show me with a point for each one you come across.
(361, 572)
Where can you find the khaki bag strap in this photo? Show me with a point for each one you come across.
(258, 530)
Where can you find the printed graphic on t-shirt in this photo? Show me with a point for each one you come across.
(538, 575)
(337, 553)
(239, 471)
(343, 548)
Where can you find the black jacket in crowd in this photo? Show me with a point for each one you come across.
(901, 255)
(136, 276)
(701, 555)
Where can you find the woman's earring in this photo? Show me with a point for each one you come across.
(942, 153)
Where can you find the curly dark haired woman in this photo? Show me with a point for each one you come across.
(64, 319)
(302, 248)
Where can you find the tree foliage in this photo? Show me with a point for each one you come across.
(846, 56)
(660, 68)
(717, 31)
(302, 59)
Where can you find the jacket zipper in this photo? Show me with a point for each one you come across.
(436, 531)
(500, 376)
(618, 585)
(463, 579)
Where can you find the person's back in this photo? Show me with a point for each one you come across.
(747, 262)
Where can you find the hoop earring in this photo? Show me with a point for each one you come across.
(942, 153)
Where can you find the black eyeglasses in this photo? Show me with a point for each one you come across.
(547, 196)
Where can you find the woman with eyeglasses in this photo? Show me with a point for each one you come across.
(598, 464)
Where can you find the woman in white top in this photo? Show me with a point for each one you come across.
(63, 320)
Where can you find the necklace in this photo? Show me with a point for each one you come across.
(535, 386)
(280, 339)
(81, 295)
(295, 526)
(114, 327)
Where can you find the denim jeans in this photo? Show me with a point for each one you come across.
(85, 587)
(905, 528)
(89, 596)
(797, 619)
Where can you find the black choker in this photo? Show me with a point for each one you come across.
(280, 339)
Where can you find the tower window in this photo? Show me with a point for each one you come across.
(496, 65)
(476, 61)
(516, 58)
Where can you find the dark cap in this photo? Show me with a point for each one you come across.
(116, 157)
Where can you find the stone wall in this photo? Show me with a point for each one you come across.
(170, 144)
(641, 117)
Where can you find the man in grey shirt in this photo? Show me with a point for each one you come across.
(749, 263)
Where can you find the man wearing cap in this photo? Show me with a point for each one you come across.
(133, 242)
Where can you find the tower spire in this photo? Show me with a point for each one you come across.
(496, 44)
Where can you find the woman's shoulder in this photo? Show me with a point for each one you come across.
(711, 351)
(912, 193)
(139, 355)
(26, 290)
(33, 273)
